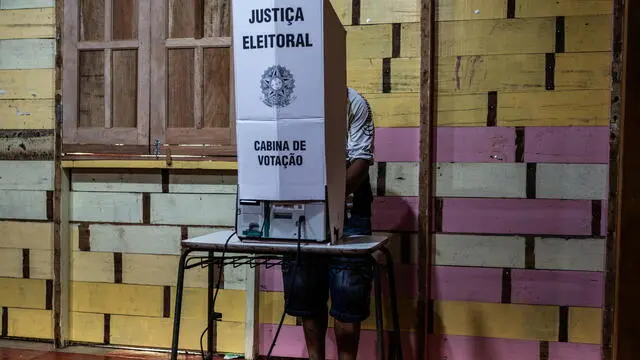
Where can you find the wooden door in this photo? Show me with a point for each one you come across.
(191, 92)
(106, 49)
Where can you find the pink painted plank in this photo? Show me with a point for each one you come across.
(552, 287)
(476, 348)
(271, 278)
(580, 144)
(467, 284)
(517, 216)
(573, 351)
(395, 213)
(454, 144)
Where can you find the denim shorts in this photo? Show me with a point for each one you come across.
(347, 279)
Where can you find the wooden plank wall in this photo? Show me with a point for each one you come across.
(26, 168)
(521, 152)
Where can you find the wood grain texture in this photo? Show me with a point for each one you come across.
(562, 288)
(106, 207)
(23, 204)
(193, 209)
(507, 321)
(26, 235)
(25, 4)
(30, 323)
(481, 180)
(567, 145)
(588, 33)
(26, 175)
(480, 250)
(26, 54)
(90, 266)
(41, 264)
(121, 299)
(26, 114)
(570, 254)
(25, 24)
(542, 8)
(586, 71)
(369, 41)
(484, 37)
(364, 75)
(554, 108)
(158, 240)
(517, 216)
(26, 84)
(112, 181)
(405, 11)
(85, 327)
(585, 325)
(211, 183)
(572, 181)
(23, 293)
(454, 144)
(26, 145)
(11, 263)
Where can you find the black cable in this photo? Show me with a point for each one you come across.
(286, 301)
(215, 296)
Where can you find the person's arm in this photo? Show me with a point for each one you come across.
(360, 144)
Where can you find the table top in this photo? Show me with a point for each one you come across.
(352, 245)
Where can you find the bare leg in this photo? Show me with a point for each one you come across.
(347, 337)
(315, 330)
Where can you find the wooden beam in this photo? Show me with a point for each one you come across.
(150, 164)
(622, 315)
(426, 180)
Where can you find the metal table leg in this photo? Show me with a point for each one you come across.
(210, 318)
(178, 308)
(377, 284)
(396, 340)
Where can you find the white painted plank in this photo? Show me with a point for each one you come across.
(11, 263)
(116, 181)
(193, 209)
(570, 254)
(27, 54)
(41, 264)
(22, 204)
(203, 183)
(401, 179)
(92, 266)
(26, 175)
(135, 239)
(477, 250)
(481, 180)
(106, 207)
(572, 181)
(25, 4)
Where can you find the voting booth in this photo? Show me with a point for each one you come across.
(291, 129)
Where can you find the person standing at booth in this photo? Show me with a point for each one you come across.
(347, 279)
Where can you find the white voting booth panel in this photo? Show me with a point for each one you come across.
(290, 106)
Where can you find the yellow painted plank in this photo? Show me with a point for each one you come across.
(23, 293)
(484, 37)
(343, 10)
(157, 332)
(576, 71)
(11, 263)
(26, 235)
(507, 321)
(402, 11)
(554, 108)
(403, 109)
(147, 269)
(26, 114)
(41, 264)
(27, 23)
(535, 8)
(588, 33)
(89, 266)
(86, 327)
(271, 306)
(365, 75)
(194, 303)
(30, 323)
(151, 164)
(585, 325)
(121, 299)
(369, 41)
(475, 74)
(26, 84)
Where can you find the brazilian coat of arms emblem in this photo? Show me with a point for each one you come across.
(277, 86)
